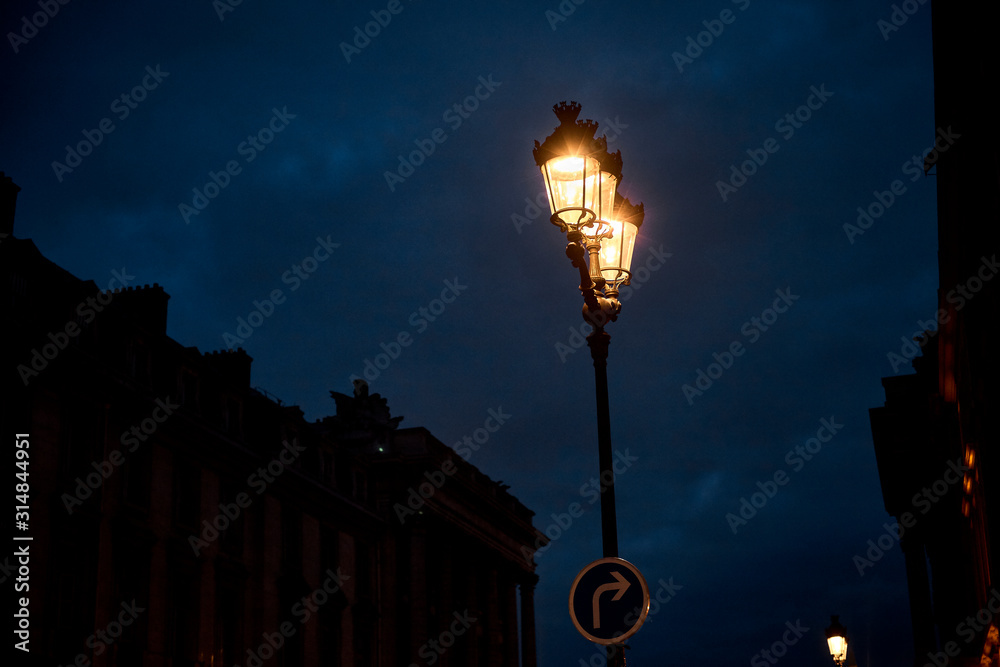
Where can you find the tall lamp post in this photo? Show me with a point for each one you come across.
(581, 181)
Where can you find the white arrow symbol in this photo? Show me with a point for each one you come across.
(621, 586)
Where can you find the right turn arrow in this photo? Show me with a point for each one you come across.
(621, 586)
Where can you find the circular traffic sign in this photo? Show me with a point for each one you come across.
(609, 600)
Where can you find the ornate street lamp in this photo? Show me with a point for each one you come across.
(836, 639)
(581, 180)
(581, 177)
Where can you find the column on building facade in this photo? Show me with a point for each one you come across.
(313, 576)
(269, 567)
(418, 589)
(494, 624)
(348, 559)
(389, 604)
(161, 515)
(110, 506)
(206, 566)
(528, 658)
(920, 595)
(477, 606)
(508, 592)
(448, 602)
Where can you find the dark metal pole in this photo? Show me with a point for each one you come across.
(598, 340)
(600, 309)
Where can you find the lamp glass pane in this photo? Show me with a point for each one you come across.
(838, 648)
(609, 184)
(616, 252)
(573, 182)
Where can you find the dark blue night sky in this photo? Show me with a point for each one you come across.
(343, 205)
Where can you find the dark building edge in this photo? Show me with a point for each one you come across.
(946, 415)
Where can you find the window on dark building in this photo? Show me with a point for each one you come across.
(228, 618)
(232, 416)
(71, 591)
(188, 389)
(342, 470)
(183, 612)
(326, 457)
(81, 433)
(365, 609)
(186, 495)
(230, 539)
(360, 486)
(290, 593)
(291, 539)
(330, 613)
(137, 473)
(131, 600)
(138, 361)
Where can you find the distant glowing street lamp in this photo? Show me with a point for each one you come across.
(836, 639)
(581, 181)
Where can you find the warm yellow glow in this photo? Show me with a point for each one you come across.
(838, 648)
(968, 484)
(616, 252)
(609, 185)
(970, 456)
(573, 182)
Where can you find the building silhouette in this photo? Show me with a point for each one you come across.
(182, 518)
(937, 438)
